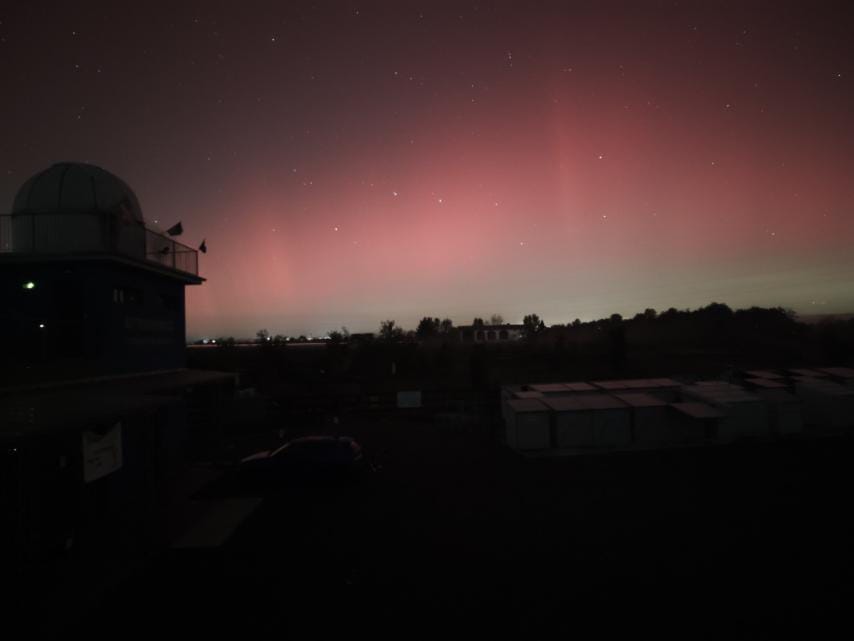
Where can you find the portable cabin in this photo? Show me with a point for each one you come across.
(842, 375)
(611, 386)
(572, 422)
(549, 389)
(528, 424)
(746, 414)
(785, 414)
(756, 384)
(649, 418)
(509, 392)
(612, 427)
(694, 422)
(762, 373)
(827, 405)
(664, 388)
(805, 373)
(580, 388)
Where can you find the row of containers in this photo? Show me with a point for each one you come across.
(663, 412)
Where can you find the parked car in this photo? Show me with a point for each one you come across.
(310, 458)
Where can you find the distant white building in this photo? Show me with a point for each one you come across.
(491, 333)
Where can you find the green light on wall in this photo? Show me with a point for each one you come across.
(29, 285)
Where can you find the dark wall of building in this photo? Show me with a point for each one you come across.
(54, 514)
(90, 318)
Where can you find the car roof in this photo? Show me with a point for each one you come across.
(318, 439)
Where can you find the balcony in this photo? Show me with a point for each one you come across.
(93, 233)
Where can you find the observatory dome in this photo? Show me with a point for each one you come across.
(75, 187)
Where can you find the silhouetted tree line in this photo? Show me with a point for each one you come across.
(715, 321)
(432, 327)
(702, 342)
(713, 329)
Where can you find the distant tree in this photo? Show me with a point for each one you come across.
(427, 327)
(616, 319)
(335, 337)
(446, 326)
(649, 313)
(279, 339)
(226, 341)
(345, 333)
(617, 339)
(532, 325)
(496, 319)
(715, 310)
(576, 322)
(389, 331)
(262, 335)
(478, 322)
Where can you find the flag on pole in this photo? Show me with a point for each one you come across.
(203, 247)
(175, 230)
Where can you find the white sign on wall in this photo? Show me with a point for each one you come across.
(409, 399)
(102, 453)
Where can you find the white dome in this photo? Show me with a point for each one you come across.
(75, 188)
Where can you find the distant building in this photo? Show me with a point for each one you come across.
(86, 285)
(491, 333)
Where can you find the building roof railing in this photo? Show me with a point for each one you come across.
(75, 233)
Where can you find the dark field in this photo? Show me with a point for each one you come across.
(455, 536)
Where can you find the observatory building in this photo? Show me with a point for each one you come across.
(88, 288)
(100, 420)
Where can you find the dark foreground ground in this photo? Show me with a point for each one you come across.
(455, 536)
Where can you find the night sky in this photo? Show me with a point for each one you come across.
(351, 162)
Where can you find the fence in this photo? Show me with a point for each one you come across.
(92, 232)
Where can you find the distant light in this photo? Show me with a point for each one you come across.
(204, 341)
(41, 325)
(213, 340)
(269, 338)
(29, 285)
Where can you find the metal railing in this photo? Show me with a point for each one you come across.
(93, 232)
(170, 253)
